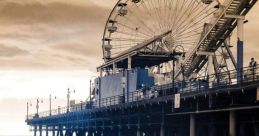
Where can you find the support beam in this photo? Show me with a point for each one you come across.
(60, 131)
(158, 69)
(212, 130)
(94, 132)
(129, 63)
(232, 123)
(53, 131)
(40, 129)
(210, 63)
(35, 130)
(181, 129)
(240, 48)
(210, 69)
(227, 46)
(82, 132)
(192, 125)
(256, 129)
(119, 132)
(47, 130)
(162, 130)
(114, 68)
(68, 132)
(102, 133)
(139, 133)
(90, 133)
(154, 133)
(101, 72)
(240, 44)
(97, 133)
(242, 129)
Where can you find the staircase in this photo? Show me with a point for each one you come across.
(213, 39)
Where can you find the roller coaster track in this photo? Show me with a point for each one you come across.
(216, 35)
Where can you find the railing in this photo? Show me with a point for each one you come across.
(61, 110)
(199, 84)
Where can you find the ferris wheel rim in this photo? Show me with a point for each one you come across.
(106, 24)
(113, 12)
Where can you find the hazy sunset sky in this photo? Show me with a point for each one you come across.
(47, 46)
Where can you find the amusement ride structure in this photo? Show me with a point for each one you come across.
(168, 70)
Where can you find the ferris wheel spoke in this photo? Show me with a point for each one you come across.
(130, 34)
(183, 41)
(177, 13)
(172, 16)
(188, 38)
(191, 24)
(192, 14)
(143, 21)
(162, 11)
(156, 17)
(187, 12)
(191, 27)
(171, 13)
(181, 13)
(134, 33)
(166, 14)
(158, 12)
(186, 32)
(182, 16)
(140, 22)
(203, 12)
(147, 10)
(136, 23)
(134, 30)
(145, 13)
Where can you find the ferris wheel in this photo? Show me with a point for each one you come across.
(133, 22)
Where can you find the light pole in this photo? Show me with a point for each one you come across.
(58, 109)
(68, 97)
(37, 106)
(90, 95)
(50, 100)
(81, 105)
(183, 80)
(174, 54)
(28, 105)
(173, 70)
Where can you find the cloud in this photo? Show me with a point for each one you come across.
(78, 49)
(12, 51)
(59, 34)
(54, 12)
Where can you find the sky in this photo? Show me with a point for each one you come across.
(47, 46)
